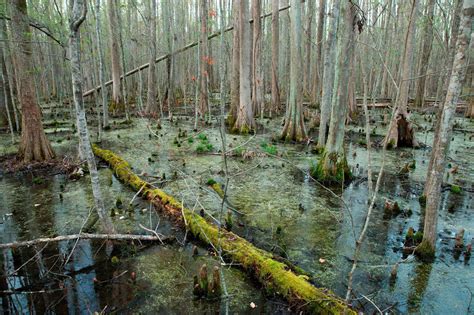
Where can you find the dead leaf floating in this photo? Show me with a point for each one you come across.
(253, 305)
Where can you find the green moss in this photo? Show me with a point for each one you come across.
(276, 277)
(332, 168)
(37, 180)
(422, 200)
(268, 148)
(455, 189)
(391, 144)
(425, 251)
(418, 237)
(210, 182)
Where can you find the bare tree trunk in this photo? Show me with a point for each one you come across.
(329, 71)
(402, 133)
(441, 147)
(235, 71)
(34, 145)
(105, 107)
(204, 58)
(78, 15)
(425, 54)
(151, 104)
(388, 43)
(114, 53)
(245, 122)
(257, 75)
(294, 124)
(333, 164)
(318, 64)
(308, 38)
(275, 56)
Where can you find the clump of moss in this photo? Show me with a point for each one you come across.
(268, 148)
(455, 189)
(391, 144)
(422, 200)
(229, 223)
(332, 168)
(37, 180)
(204, 144)
(425, 251)
(210, 182)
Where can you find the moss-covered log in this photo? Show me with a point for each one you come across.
(275, 276)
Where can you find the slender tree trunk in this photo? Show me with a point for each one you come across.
(275, 56)
(34, 145)
(441, 147)
(78, 15)
(245, 120)
(114, 53)
(294, 124)
(204, 57)
(103, 91)
(425, 54)
(329, 71)
(235, 70)
(318, 64)
(257, 71)
(151, 104)
(123, 64)
(402, 133)
(308, 38)
(333, 164)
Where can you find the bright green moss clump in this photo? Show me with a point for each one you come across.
(332, 168)
(455, 189)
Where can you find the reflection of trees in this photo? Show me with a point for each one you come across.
(418, 287)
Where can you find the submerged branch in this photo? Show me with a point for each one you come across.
(124, 237)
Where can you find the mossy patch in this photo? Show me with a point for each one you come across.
(276, 277)
(332, 168)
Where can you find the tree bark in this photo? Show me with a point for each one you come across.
(245, 122)
(204, 58)
(114, 53)
(34, 146)
(308, 38)
(151, 104)
(318, 71)
(235, 70)
(402, 133)
(425, 53)
(329, 71)
(257, 71)
(275, 56)
(105, 107)
(78, 15)
(441, 147)
(333, 164)
(294, 125)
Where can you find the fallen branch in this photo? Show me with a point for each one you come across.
(275, 276)
(125, 237)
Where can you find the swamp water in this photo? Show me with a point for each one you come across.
(284, 211)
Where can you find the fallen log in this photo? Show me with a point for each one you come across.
(125, 237)
(276, 277)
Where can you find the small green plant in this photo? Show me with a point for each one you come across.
(37, 180)
(202, 137)
(455, 189)
(210, 182)
(269, 148)
(204, 145)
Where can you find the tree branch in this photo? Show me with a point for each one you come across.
(124, 237)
